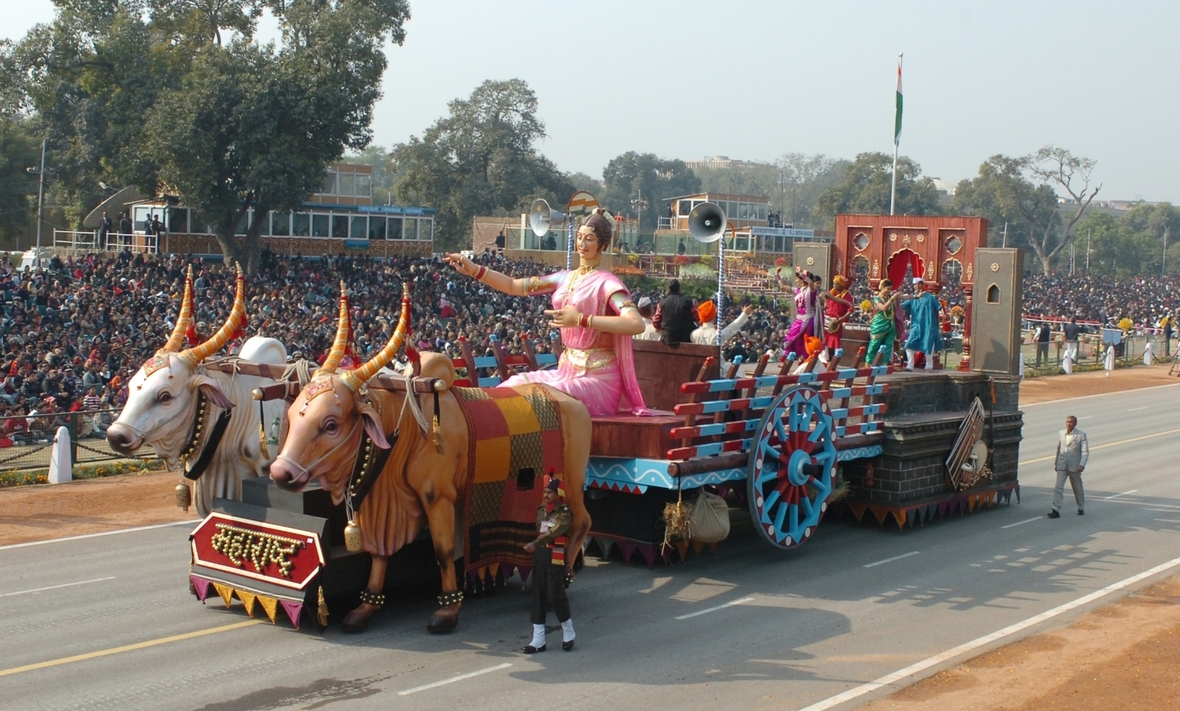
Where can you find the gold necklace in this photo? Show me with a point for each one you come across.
(582, 270)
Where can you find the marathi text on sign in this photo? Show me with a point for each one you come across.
(261, 549)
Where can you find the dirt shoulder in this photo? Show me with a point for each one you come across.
(36, 513)
(1061, 387)
(1122, 656)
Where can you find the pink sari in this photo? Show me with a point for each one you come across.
(806, 306)
(604, 380)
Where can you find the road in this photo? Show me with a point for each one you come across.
(750, 627)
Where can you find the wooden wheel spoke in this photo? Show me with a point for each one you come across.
(797, 428)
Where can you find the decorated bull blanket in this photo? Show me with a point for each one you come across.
(516, 440)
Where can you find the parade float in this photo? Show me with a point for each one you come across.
(792, 448)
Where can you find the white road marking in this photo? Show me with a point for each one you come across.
(890, 560)
(1111, 498)
(715, 609)
(974, 644)
(1021, 523)
(453, 679)
(96, 535)
(1137, 409)
(55, 587)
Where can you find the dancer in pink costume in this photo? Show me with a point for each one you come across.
(597, 319)
(806, 315)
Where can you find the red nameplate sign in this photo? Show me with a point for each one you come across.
(255, 549)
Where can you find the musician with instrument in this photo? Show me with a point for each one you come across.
(837, 309)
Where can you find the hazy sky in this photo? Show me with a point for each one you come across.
(754, 80)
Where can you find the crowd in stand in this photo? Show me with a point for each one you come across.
(73, 334)
(1145, 300)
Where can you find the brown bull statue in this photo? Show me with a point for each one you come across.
(338, 425)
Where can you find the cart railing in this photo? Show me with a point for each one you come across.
(738, 410)
(501, 364)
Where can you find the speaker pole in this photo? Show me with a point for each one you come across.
(721, 291)
(569, 243)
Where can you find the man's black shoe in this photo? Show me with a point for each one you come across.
(530, 649)
(567, 646)
(1053, 514)
(1081, 512)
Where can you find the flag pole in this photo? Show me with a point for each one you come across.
(893, 186)
(896, 140)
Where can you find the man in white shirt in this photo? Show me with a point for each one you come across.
(706, 333)
(646, 309)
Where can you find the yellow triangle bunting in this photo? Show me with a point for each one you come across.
(270, 605)
(494, 569)
(226, 593)
(247, 600)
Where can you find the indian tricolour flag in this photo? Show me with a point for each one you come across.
(897, 116)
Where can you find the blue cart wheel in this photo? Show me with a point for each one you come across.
(792, 467)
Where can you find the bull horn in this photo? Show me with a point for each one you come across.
(184, 319)
(194, 356)
(340, 345)
(356, 378)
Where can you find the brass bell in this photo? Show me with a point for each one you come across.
(184, 497)
(352, 537)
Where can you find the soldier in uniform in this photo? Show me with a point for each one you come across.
(553, 523)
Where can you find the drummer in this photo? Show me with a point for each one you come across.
(837, 309)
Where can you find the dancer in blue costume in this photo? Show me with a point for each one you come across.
(924, 336)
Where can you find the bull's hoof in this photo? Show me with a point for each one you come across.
(443, 621)
(358, 620)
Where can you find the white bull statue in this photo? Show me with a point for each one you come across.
(200, 418)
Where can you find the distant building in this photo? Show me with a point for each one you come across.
(340, 218)
(944, 187)
(718, 163)
(749, 215)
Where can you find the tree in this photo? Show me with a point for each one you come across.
(1003, 195)
(866, 186)
(1115, 248)
(481, 159)
(143, 92)
(1156, 225)
(758, 179)
(1059, 167)
(590, 184)
(802, 179)
(18, 189)
(628, 176)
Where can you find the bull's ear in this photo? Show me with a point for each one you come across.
(373, 426)
(213, 391)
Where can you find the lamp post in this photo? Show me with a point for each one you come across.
(40, 201)
(638, 203)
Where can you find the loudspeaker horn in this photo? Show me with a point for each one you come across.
(707, 222)
(541, 216)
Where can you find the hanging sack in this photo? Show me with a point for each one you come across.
(710, 518)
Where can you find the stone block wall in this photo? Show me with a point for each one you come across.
(925, 413)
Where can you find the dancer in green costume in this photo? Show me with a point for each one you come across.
(883, 327)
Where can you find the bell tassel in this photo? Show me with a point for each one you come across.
(352, 537)
(262, 440)
(184, 496)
